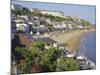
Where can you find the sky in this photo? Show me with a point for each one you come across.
(87, 12)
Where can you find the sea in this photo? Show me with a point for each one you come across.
(87, 46)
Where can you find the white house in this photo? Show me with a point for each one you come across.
(46, 35)
(23, 16)
(70, 26)
(42, 26)
(19, 20)
(63, 25)
(21, 26)
(29, 22)
(58, 26)
(48, 20)
(80, 27)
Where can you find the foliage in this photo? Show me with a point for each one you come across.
(23, 11)
(67, 64)
(52, 59)
(85, 23)
(25, 60)
(23, 66)
(39, 45)
(37, 14)
(48, 57)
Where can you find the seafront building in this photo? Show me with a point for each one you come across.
(48, 12)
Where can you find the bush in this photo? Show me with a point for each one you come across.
(51, 59)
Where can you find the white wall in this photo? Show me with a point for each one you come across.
(53, 13)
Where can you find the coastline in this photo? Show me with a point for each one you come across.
(72, 39)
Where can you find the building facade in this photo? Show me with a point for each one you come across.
(48, 12)
(54, 13)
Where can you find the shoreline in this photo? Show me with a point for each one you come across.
(72, 39)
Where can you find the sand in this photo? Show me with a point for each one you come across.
(72, 38)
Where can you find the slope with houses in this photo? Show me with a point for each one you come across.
(38, 25)
(43, 21)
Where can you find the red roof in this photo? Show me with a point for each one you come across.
(25, 41)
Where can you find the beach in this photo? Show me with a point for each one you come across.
(71, 39)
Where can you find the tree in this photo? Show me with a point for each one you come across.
(23, 66)
(25, 60)
(48, 58)
(23, 11)
(67, 64)
(85, 23)
(52, 59)
(39, 45)
(72, 64)
(37, 14)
